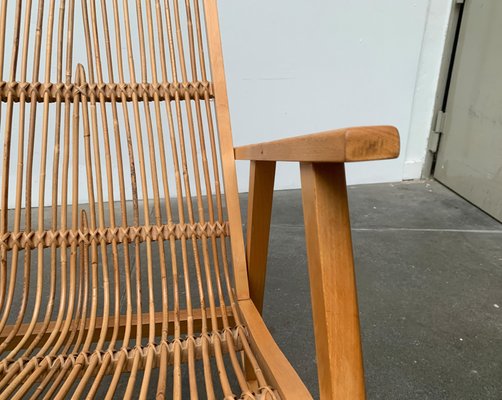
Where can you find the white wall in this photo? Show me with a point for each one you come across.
(427, 91)
(295, 67)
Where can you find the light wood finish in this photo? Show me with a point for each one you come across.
(340, 145)
(261, 190)
(122, 249)
(197, 315)
(274, 365)
(122, 287)
(332, 281)
(227, 149)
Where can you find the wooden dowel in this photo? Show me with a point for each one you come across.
(56, 151)
(19, 183)
(137, 262)
(118, 149)
(3, 20)
(64, 261)
(109, 180)
(7, 302)
(65, 307)
(3, 17)
(158, 217)
(67, 128)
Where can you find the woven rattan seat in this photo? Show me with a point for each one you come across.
(123, 267)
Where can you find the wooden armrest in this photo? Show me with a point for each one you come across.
(340, 145)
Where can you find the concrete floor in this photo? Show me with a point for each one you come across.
(429, 272)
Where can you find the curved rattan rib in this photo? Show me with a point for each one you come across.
(114, 241)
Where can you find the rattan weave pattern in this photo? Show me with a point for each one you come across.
(98, 297)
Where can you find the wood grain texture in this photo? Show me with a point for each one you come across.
(107, 288)
(261, 190)
(226, 147)
(94, 285)
(341, 145)
(332, 281)
(275, 365)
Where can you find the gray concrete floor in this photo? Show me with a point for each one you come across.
(429, 275)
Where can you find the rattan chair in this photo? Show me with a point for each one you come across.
(123, 265)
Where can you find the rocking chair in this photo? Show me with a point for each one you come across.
(123, 265)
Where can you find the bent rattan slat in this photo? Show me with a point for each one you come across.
(197, 315)
(123, 270)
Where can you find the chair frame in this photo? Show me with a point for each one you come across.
(328, 237)
(321, 158)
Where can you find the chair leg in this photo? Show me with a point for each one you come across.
(261, 189)
(332, 281)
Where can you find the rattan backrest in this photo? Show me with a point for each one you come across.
(113, 164)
